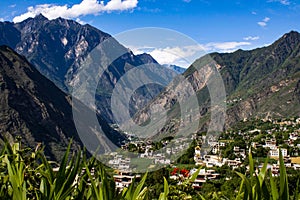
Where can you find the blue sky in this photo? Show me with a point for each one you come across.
(222, 26)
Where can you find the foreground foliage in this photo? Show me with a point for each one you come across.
(27, 174)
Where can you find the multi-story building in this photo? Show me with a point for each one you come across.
(124, 179)
(275, 152)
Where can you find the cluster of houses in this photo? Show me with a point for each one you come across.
(202, 177)
(210, 161)
(161, 156)
(216, 160)
(124, 177)
(270, 144)
(119, 162)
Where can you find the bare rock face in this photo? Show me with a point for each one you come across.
(259, 82)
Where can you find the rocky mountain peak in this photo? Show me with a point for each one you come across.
(288, 41)
(147, 58)
(58, 47)
(41, 17)
(291, 36)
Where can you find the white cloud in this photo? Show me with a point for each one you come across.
(120, 5)
(266, 19)
(1, 19)
(251, 38)
(187, 1)
(253, 13)
(264, 22)
(86, 7)
(13, 5)
(173, 55)
(140, 50)
(184, 56)
(80, 21)
(225, 46)
(283, 2)
(164, 57)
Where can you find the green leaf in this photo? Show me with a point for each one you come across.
(251, 164)
(194, 176)
(240, 193)
(139, 187)
(262, 173)
(284, 190)
(164, 195)
(274, 190)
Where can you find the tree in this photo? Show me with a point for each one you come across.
(261, 152)
(208, 190)
(230, 186)
(132, 147)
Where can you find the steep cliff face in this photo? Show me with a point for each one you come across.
(259, 82)
(57, 49)
(34, 108)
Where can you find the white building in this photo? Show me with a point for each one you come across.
(124, 179)
(233, 163)
(203, 176)
(275, 152)
(212, 161)
(270, 144)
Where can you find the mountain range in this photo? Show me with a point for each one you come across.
(42, 60)
(263, 82)
(57, 49)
